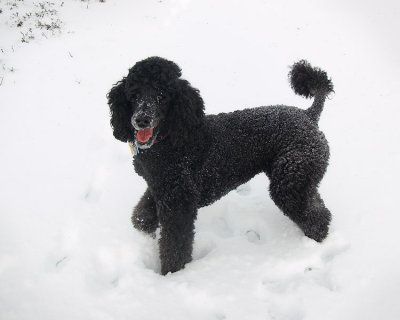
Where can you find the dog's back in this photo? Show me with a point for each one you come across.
(244, 143)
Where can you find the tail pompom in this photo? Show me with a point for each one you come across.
(308, 81)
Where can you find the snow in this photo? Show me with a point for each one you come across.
(67, 248)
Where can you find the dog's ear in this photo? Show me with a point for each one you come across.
(185, 113)
(120, 111)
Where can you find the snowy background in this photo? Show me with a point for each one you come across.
(67, 188)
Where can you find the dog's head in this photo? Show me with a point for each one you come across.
(152, 102)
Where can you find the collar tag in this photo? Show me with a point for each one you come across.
(134, 148)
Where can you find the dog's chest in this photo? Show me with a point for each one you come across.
(166, 168)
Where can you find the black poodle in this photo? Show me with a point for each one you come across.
(189, 159)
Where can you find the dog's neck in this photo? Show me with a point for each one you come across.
(135, 150)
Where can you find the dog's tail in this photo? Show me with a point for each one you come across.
(311, 82)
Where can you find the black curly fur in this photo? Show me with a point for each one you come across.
(183, 116)
(192, 160)
(311, 82)
(308, 81)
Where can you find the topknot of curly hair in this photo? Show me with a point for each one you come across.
(154, 71)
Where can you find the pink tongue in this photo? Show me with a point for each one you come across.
(145, 135)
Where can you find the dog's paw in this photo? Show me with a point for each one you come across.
(145, 223)
(317, 228)
(316, 232)
(173, 264)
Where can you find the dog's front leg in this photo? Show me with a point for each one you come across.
(177, 218)
(144, 217)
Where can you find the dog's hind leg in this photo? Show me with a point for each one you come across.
(293, 187)
(144, 217)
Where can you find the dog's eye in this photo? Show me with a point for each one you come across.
(133, 97)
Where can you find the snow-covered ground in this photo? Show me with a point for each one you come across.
(67, 248)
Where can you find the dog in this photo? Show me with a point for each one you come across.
(189, 159)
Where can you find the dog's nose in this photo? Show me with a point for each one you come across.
(143, 121)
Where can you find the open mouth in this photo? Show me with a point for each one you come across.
(146, 137)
